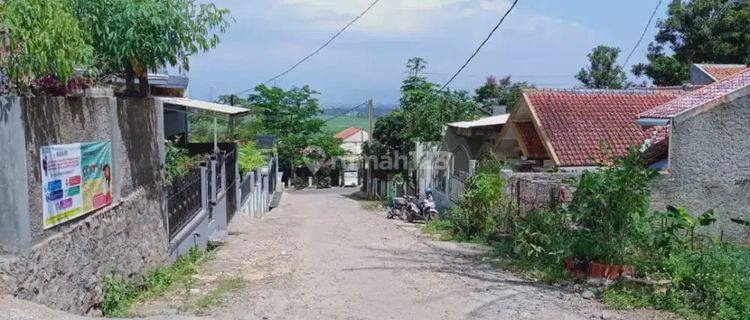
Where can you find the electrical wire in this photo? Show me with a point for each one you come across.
(325, 44)
(345, 113)
(480, 46)
(645, 30)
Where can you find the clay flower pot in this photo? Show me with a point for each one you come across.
(612, 271)
(569, 266)
(628, 271)
(597, 270)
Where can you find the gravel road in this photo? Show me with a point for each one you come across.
(320, 255)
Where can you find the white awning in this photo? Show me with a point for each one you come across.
(483, 122)
(197, 106)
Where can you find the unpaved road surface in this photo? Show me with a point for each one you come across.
(320, 255)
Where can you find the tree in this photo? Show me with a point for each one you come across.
(293, 117)
(44, 39)
(415, 66)
(135, 37)
(503, 92)
(423, 112)
(698, 31)
(603, 72)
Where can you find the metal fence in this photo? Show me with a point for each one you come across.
(184, 201)
(230, 174)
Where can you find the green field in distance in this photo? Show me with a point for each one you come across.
(344, 122)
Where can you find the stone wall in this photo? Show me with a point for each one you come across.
(63, 266)
(65, 272)
(710, 166)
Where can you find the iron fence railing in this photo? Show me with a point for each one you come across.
(184, 201)
(230, 176)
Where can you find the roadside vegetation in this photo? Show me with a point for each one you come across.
(121, 295)
(668, 262)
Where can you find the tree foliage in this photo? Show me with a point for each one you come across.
(698, 31)
(423, 112)
(113, 37)
(134, 37)
(44, 39)
(291, 116)
(503, 92)
(603, 71)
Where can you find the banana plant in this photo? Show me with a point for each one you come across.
(690, 222)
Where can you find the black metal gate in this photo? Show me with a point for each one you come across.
(230, 169)
(184, 201)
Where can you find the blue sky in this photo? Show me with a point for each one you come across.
(543, 41)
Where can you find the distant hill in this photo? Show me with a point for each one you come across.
(380, 110)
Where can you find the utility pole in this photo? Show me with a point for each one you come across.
(369, 163)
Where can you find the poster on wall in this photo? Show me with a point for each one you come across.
(76, 179)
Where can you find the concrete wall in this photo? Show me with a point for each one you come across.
(14, 235)
(710, 166)
(63, 266)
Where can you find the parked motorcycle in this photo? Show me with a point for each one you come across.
(423, 210)
(398, 208)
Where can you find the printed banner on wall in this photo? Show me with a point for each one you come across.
(76, 179)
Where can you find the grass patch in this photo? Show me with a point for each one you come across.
(440, 228)
(621, 298)
(121, 294)
(223, 288)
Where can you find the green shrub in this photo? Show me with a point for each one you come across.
(716, 282)
(606, 205)
(479, 211)
(543, 237)
(178, 162)
(249, 157)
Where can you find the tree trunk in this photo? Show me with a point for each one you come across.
(129, 81)
(144, 88)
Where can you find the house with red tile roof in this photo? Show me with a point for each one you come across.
(704, 73)
(705, 151)
(352, 139)
(576, 129)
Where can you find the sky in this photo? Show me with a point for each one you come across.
(543, 41)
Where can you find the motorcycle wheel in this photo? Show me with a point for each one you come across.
(390, 214)
(410, 217)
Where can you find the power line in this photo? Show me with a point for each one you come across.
(480, 46)
(637, 44)
(326, 43)
(345, 113)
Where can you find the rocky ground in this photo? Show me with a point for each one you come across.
(320, 255)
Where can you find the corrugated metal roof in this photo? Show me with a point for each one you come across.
(483, 122)
(207, 106)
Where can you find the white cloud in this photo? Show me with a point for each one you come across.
(393, 17)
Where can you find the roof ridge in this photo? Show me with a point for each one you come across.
(723, 65)
(649, 90)
(700, 94)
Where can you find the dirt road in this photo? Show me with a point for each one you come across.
(320, 255)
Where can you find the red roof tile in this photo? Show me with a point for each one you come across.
(658, 147)
(531, 141)
(700, 97)
(722, 71)
(575, 122)
(348, 132)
